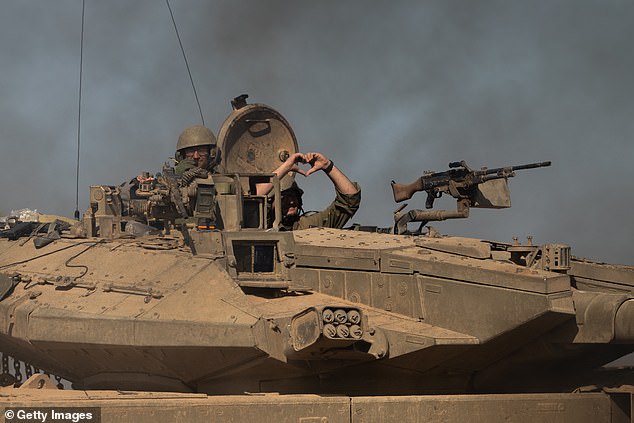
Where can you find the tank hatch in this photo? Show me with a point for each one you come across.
(254, 139)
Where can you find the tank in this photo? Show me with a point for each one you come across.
(231, 304)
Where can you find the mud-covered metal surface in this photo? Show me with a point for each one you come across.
(447, 314)
(112, 406)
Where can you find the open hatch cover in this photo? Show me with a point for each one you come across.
(255, 139)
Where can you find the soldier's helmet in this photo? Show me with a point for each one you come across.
(195, 136)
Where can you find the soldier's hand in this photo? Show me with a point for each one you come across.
(317, 161)
(292, 164)
(191, 174)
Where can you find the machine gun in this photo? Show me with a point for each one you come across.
(484, 188)
(157, 198)
(176, 198)
(158, 201)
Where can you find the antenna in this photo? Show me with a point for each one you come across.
(202, 119)
(81, 66)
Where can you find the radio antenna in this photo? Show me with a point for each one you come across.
(202, 119)
(81, 66)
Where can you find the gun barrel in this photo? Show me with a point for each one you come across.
(531, 165)
(507, 170)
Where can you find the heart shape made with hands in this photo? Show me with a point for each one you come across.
(304, 168)
(310, 163)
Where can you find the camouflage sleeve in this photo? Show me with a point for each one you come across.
(183, 166)
(336, 215)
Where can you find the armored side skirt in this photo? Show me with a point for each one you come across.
(155, 407)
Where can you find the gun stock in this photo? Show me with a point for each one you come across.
(404, 192)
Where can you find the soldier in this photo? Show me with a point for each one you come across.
(196, 154)
(345, 205)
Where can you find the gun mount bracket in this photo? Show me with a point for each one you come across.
(425, 216)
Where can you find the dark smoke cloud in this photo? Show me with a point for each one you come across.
(386, 89)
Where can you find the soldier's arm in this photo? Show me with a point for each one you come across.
(289, 165)
(338, 213)
(338, 178)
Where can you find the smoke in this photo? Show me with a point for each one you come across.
(387, 90)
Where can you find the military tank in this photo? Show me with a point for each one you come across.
(234, 305)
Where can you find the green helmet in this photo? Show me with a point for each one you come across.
(195, 136)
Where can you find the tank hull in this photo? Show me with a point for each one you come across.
(440, 315)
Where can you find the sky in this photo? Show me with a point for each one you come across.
(388, 90)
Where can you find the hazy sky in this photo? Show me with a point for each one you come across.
(387, 89)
